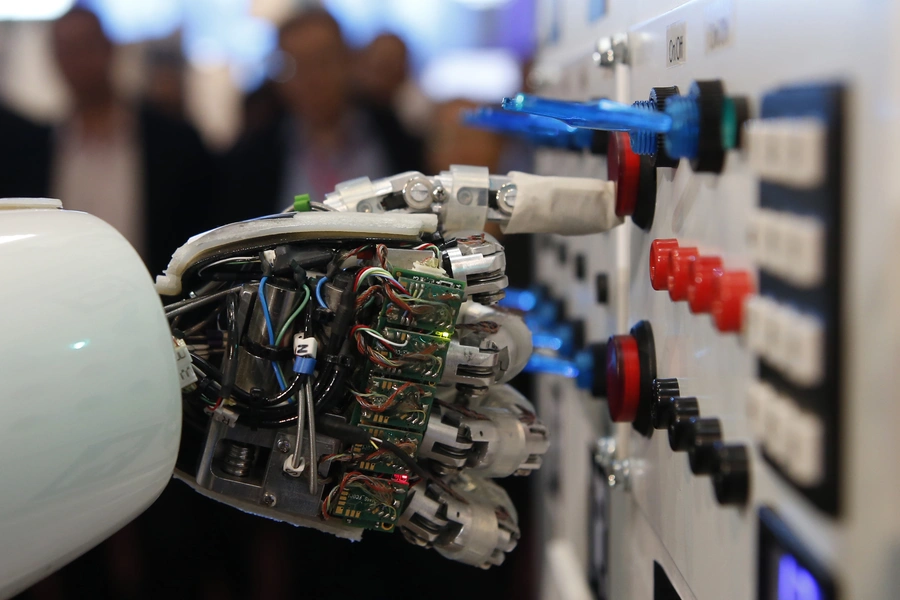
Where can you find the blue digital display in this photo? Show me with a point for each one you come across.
(787, 569)
(795, 582)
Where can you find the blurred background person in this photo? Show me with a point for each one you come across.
(24, 156)
(261, 109)
(451, 142)
(145, 173)
(321, 119)
(383, 80)
(324, 137)
(165, 81)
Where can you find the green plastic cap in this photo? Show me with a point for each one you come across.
(301, 203)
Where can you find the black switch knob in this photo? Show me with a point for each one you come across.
(601, 288)
(663, 391)
(731, 473)
(598, 360)
(704, 434)
(680, 412)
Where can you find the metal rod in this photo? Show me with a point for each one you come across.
(301, 410)
(313, 463)
(178, 308)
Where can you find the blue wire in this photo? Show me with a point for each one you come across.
(319, 292)
(269, 328)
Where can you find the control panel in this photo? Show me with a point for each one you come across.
(731, 384)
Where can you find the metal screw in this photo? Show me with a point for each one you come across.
(604, 55)
(464, 197)
(620, 474)
(283, 445)
(269, 499)
(612, 51)
(419, 192)
(506, 198)
(617, 471)
(440, 194)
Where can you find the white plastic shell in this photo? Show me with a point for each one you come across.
(91, 411)
(299, 226)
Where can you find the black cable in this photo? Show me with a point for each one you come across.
(208, 370)
(194, 329)
(248, 401)
(344, 316)
(270, 423)
(331, 387)
(289, 392)
(341, 430)
(245, 276)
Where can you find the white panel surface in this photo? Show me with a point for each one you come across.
(669, 515)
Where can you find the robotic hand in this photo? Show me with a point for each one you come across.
(342, 368)
(348, 364)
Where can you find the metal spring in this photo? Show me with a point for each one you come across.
(239, 460)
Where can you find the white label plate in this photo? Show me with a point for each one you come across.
(676, 44)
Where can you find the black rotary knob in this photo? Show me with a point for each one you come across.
(703, 434)
(681, 411)
(731, 473)
(663, 391)
(658, 97)
(710, 97)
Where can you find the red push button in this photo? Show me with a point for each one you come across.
(679, 275)
(731, 288)
(623, 377)
(623, 166)
(659, 262)
(701, 273)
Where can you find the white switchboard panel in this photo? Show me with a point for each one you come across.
(807, 207)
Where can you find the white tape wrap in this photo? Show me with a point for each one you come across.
(563, 205)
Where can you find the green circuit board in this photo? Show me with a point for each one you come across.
(422, 356)
(383, 461)
(408, 404)
(434, 307)
(368, 502)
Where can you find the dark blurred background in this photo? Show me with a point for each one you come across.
(168, 117)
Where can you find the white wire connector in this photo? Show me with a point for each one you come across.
(289, 467)
(185, 366)
(305, 346)
(225, 415)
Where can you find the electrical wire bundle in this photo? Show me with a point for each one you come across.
(216, 328)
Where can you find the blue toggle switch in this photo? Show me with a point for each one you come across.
(683, 141)
(551, 365)
(559, 338)
(518, 299)
(587, 368)
(581, 368)
(539, 130)
(543, 315)
(597, 114)
(584, 361)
